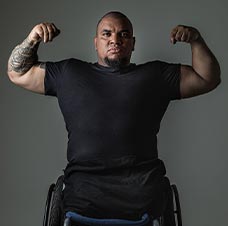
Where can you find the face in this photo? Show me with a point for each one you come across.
(114, 42)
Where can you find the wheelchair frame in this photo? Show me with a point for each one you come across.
(53, 215)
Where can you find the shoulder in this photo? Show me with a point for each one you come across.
(161, 63)
(67, 61)
(153, 64)
(166, 68)
(66, 64)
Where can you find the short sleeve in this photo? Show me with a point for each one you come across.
(53, 74)
(170, 78)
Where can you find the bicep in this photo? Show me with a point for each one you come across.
(191, 83)
(32, 80)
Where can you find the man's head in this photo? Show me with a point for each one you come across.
(114, 41)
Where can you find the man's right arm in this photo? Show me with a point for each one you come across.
(24, 69)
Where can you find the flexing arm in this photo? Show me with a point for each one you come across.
(204, 74)
(24, 69)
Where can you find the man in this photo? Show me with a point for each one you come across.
(112, 110)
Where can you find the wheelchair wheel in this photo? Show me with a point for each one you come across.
(177, 208)
(53, 210)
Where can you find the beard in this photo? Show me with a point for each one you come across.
(116, 63)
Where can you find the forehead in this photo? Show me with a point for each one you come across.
(112, 23)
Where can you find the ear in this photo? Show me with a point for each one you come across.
(95, 43)
(133, 44)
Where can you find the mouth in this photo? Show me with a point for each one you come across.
(114, 50)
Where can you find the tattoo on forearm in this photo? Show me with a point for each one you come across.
(23, 57)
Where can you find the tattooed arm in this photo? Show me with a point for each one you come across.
(24, 69)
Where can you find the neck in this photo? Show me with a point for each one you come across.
(116, 63)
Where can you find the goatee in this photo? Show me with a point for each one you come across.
(116, 63)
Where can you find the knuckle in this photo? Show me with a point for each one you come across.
(42, 24)
(37, 27)
(181, 26)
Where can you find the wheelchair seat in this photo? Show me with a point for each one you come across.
(54, 215)
(77, 218)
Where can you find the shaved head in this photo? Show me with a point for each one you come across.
(116, 15)
(114, 40)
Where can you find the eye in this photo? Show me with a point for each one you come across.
(125, 34)
(106, 34)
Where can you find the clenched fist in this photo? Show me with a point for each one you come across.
(43, 32)
(183, 33)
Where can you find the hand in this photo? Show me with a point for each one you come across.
(183, 33)
(43, 32)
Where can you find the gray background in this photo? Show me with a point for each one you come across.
(193, 137)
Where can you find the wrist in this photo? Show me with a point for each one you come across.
(31, 42)
(197, 40)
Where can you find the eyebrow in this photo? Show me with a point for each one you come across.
(125, 30)
(106, 30)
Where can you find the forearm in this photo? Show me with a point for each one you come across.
(23, 57)
(204, 62)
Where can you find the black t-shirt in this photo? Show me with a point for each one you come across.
(112, 117)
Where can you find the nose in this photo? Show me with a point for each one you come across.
(115, 40)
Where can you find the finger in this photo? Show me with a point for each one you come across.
(173, 40)
(53, 31)
(179, 35)
(40, 32)
(56, 30)
(44, 32)
(188, 38)
(173, 35)
(37, 33)
(184, 37)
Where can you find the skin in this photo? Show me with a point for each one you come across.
(204, 73)
(113, 42)
(31, 78)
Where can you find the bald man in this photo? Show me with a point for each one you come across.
(112, 109)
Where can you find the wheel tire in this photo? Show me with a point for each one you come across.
(56, 213)
(177, 206)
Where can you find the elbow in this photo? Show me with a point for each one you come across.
(215, 82)
(11, 73)
(218, 76)
(218, 80)
(215, 77)
(11, 76)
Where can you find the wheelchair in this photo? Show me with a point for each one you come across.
(54, 216)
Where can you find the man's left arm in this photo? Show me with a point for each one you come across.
(204, 74)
